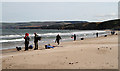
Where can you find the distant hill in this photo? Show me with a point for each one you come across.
(36, 25)
(61, 25)
(111, 24)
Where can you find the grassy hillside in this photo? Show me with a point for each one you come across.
(80, 25)
(111, 24)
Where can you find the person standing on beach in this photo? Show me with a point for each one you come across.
(26, 41)
(97, 34)
(58, 39)
(74, 37)
(36, 41)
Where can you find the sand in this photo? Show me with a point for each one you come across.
(92, 53)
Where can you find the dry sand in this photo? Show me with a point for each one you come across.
(93, 53)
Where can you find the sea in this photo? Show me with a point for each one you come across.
(12, 38)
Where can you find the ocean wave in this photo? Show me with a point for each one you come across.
(53, 34)
(12, 40)
(11, 36)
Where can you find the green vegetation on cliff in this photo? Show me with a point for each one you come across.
(111, 24)
(72, 25)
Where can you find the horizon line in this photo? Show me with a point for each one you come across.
(51, 21)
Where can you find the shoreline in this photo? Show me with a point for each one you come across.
(43, 46)
(84, 54)
(11, 45)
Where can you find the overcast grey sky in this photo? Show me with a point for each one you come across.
(60, 0)
(52, 11)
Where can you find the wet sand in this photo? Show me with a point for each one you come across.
(92, 53)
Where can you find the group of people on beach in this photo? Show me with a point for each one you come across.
(27, 39)
(58, 37)
(36, 38)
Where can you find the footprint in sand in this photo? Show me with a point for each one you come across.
(76, 62)
(66, 58)
(10, 66)
(111, 66)
(110, 48)
(107, 63)
(3, 60)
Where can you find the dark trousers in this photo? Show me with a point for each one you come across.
(26, 46)
(36, 46)
(58, 42)
(74, 38)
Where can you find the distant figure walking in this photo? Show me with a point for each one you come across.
(36, 41)
(26, 41)
(97, 34)
(58, 39)
(74, 37)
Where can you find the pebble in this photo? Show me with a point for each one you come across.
(110, 48)
(98, 48)
(71, 63)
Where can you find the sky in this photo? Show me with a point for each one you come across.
(59, 11)
(60, 0)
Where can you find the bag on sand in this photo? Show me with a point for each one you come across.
(30, 47)
(48, 47)
(18, 48)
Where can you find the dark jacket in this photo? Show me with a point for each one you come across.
(58, 37)
(35, 38)
(27, 39)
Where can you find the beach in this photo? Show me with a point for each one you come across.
(90, 53)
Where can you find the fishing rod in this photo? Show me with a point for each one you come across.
(31, 42)
(15, 32)
(19, 34)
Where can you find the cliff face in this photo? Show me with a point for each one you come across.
(80, 25)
